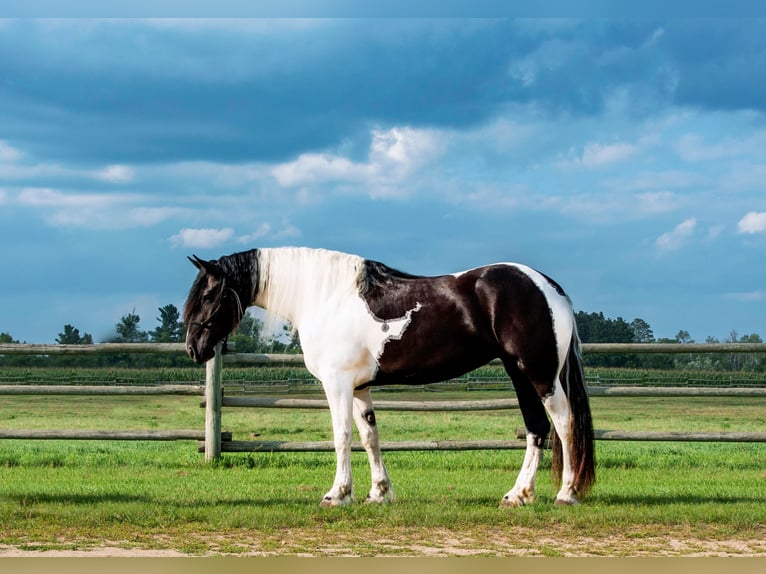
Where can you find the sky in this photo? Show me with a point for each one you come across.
(625, 158)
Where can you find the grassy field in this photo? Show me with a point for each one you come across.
(650, 498)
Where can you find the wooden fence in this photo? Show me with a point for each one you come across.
(212, 441)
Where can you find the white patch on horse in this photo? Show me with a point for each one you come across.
(383, 331)
(561, 314)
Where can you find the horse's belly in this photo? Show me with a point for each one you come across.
(430, 360)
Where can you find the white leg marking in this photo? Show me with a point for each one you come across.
(340, 399)
(558, 408)
(523, 492)
(364, 416)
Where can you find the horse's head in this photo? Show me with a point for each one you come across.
(212, 311)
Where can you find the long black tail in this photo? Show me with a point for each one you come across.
(573, 381)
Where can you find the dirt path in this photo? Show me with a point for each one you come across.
(411, 542)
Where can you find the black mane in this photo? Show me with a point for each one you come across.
(376, 275)
(240, 269)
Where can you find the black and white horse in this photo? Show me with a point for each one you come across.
(363, 324)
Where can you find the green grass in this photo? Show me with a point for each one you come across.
(67, 494)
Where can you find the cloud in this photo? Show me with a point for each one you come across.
(286, 231)
(312, 168)
(8, 154)
(753, 222)
(116, 174)
(201, 238)
(394, 155)
(262, 231)
(48, 197)
(693, 148)
(403, 149)
(150, 216)
(675, 239)
(746, 297)
(97, 210)
(656, 202)
(596, 155)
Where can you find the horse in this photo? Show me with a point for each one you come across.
(363, 324)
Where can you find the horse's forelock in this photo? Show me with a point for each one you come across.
(194, 300)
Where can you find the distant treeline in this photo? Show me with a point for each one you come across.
(595, 328)
(251, 337)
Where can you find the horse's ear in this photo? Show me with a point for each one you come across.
(209, 267)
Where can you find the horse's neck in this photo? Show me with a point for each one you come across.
(295, 280)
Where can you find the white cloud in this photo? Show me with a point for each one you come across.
(286, 231)
(48, 197)
(202, 238)
(8, 154)
(263, 230)
(404, 149)
(693, 148)
(746, 297)
(656, 202)
(116, 174)
(675, 239)
(753, 222)
(96, 210)
(596, 154)
(148, 216)
(394, 155)
(654, 38)
(312, 168)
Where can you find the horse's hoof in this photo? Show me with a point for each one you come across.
(381, 494)
(571, 501)
(332, 502)
(513, 500)
(327, 502)
(385, 499)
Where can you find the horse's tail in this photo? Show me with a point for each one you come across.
(573, 382)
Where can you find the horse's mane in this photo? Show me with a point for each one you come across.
(375, 275)
(293, 278)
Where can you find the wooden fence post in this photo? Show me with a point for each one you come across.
(213, 398)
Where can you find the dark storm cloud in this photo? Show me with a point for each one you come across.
(117, 91)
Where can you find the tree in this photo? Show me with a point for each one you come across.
(128, 331)
(171, 329)
(683, 337)
(248, 336)
(6, 338)
(71, 336)
(595, 328)
(642, 332)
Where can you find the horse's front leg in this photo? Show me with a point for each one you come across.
(340, 399)
(364, 417)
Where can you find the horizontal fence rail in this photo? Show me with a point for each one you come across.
(213, 441)
(276, 358)
(25, 389)
(149, 435)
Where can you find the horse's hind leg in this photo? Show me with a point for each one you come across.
(364, 417)
(538, 427)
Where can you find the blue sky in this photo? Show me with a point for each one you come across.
(625, 158)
